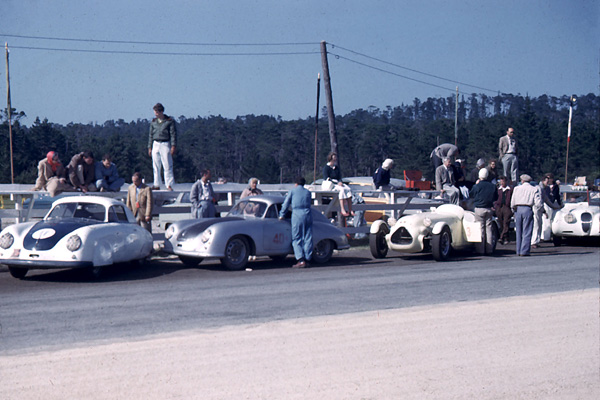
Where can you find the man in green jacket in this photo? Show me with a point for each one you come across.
(161, 146)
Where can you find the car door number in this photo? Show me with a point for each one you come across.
(278, 238)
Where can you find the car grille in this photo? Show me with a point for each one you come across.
(402, 236)
(586, 222)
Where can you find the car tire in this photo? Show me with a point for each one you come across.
(17, 272)
(377, 242)
(495, 236)
(95, 272)
(323, 251)
(557, 240)
(190, 261)
(237, 251)
(441, 245)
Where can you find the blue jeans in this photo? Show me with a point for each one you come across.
(110, 187)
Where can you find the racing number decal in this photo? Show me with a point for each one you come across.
(278, 238)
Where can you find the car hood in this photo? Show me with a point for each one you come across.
(45, 234)
(194, 230)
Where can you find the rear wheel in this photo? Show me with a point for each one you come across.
(441, 245)
(322, 251)
(18, 273)
(190, 261)
(377, 242)
(236, 253)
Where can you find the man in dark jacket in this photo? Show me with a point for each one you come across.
(502, 208)
(484, 194)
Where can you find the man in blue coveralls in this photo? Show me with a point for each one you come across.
(302, 242)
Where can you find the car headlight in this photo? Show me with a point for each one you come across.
(74, 243)
(570, 218)
(169, 232)
(427, 222)
(206, 235)
(7, 240)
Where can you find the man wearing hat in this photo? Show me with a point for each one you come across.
(524, 198)
(484, 195)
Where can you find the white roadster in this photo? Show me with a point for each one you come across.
(449, 227)
(78, 232)
(577, 219)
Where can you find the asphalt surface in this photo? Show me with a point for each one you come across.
(53, 310)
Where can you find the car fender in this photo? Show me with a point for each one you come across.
(377, 224)
(437, 228)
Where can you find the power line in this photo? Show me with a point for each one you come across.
(165, 53)
(156, 43)
(394, 73)
(414, 70)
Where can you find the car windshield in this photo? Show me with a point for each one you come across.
(253, 209)
(78, 210)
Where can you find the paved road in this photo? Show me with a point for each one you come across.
(53, 310)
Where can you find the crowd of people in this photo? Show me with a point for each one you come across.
(491, 193)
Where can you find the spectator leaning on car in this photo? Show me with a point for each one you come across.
(139, 201)
(382, 176)
(107, 176)
(300, 201)
(484, 194)
(524, 198)
(203, 197)
(538, 212)
(82, 172)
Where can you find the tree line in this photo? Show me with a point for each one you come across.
(276, 150)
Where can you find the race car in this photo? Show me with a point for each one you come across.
(577, 219)
(251, 228)
(78, 232)
(449, 227)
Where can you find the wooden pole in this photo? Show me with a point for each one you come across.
(9, 114)
(329, 98)
(317, 124)
(571, 101)
(456, 119)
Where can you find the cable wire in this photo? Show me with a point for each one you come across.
(156, 43)
(413, 70)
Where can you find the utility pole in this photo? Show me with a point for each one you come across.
(329, 97)
(317, 125)
(572, 102)
(9, 112)
(456, 119)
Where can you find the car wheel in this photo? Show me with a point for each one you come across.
(95, 272)
(190, 261)
(18, 273)
(377, 242)
(322, 251)
(495, 235)
(557, 240)
(441, 244)
(237, 251)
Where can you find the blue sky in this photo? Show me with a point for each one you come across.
(530, 47)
